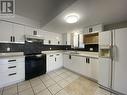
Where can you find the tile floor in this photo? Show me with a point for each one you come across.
(58, 82)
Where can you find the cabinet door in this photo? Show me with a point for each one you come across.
(97, 28)
(6, 30)
(105, 38)
(50, 62)
(58, 60)
(95, 67)
(67, 61)
(64, 39)
(87, 67)
(78, 64)
(31, 31)
(19, 32)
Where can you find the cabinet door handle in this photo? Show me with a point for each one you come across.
(11, 60)
(11, 67)
(55, 59)
(66, 42)
(88, 60)
(11, 39)
(12, 74)
(69, 56)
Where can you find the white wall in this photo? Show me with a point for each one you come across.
(23, 20)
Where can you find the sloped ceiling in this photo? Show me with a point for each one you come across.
(91, 12)
(42, 11)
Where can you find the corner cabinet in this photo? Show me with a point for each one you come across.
(85, 66)
(54, 61)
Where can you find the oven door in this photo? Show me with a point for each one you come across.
(35, 65)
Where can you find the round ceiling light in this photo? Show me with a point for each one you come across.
(71, 18)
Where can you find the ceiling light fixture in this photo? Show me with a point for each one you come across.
(71, 18)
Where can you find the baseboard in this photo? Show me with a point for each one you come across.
(111, 90)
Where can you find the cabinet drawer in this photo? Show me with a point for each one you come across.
(12, 60)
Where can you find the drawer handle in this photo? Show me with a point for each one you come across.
(51, 55)
(57, 54)
(11, 60)
(12, 74)
(11, 67)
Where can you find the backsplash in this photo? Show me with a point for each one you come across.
(15, 47)
(90, 48)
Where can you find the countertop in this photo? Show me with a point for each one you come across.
(74, 53)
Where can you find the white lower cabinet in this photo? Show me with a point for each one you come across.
(82, 65)
(54, 61)
(50, 62)
(12, 70)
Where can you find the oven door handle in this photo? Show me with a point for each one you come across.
(39, 55)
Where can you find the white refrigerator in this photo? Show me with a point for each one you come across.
(113, 60)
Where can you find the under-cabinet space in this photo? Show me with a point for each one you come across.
(91, 38)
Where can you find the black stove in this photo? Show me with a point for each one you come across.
(35, 61)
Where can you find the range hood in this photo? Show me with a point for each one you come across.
(34, 38)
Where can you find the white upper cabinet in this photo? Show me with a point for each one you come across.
(93, 29)
(98, 28)
(11, 32)
(105, 38)
(6, 30)
(66, 39)
(31, 31)
(18, 33)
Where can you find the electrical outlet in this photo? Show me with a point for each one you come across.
(91, 49)
(8, 49)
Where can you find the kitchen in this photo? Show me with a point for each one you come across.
(62, 47)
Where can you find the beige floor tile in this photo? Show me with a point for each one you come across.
(52, 74)
(75, 76)
(23, 82)
(57, 78)
(63, 83)
(81, 86)
(39, 88)
(35, 82)
(62, 92)
(49, 82)
(10, 86)
(10, 90)
(63, 75)
(69, 73)
(45, 77)
(54, 89)
(27, 92)
(23, 86)
(44, 92)
(69, 79)
(58, 72)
